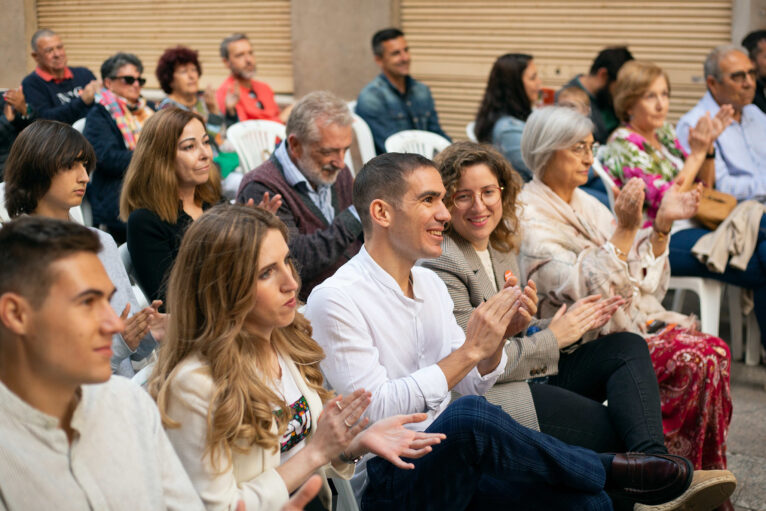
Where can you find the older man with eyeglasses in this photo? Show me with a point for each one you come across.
(740, 152)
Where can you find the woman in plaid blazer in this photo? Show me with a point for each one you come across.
(547, 385)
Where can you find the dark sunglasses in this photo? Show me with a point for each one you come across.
(130, 80)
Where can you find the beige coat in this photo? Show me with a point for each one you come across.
(565, 249)
(528, 357)
(251, 476)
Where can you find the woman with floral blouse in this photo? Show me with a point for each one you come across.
(646, 147)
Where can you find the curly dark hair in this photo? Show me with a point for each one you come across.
(453, 160)
(172, 58)
(505, 94)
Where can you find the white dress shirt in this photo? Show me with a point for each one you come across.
(119, 458)
(376, 338)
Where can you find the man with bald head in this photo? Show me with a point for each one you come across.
(740, 152)
(55, 90)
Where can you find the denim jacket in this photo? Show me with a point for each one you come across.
(388, 111)
(506, 137)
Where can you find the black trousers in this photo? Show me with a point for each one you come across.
(616, 368)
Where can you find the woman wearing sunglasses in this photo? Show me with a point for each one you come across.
(113, 126)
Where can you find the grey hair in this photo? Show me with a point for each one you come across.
(712, 66)
(113, 64)
(233, 38)
(549, 129)
(43, 32)
(313, 108)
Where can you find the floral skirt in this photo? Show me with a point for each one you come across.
(693, 372)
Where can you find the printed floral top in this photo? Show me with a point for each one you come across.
(627, 154)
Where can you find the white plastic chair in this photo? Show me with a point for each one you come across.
(128, 263)
(254, 141)
(752, 351)
(364, 142)
(606, 179)
(469, 131)
(79, 125)
(709, 292)
(420, 142)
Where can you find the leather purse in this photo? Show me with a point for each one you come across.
(714, 207)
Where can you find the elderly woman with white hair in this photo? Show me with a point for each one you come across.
(572, 246)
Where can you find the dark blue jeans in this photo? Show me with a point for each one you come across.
(489, 461)
(684, 264)
(617, 368)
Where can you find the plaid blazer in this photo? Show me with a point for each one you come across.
(528, 357)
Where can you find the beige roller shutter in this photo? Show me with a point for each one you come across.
(455, 42)
(94, 29)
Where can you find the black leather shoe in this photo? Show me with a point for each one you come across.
(650, 478)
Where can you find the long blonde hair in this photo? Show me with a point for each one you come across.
(150, 181)
(211, 292)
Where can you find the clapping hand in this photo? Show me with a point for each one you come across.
(678, 205)
(158, 321)
(15, 102)
(232, 98)
(723, 118)
(210, 100)
(389, 439)
(271, 205)
(628, 205)
(586, 314)
(527, 302)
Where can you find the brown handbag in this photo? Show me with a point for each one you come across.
(714, 207)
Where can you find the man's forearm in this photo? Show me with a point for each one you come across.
(459, 363)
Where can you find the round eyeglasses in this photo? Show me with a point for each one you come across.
(489, 195)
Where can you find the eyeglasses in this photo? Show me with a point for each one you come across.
(490, 195)
(130, 80)
(739, 76)
(582, 148)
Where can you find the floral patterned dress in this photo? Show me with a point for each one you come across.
(692, 367)
(628, 155)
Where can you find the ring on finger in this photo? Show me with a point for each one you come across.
(349, 426)
(337, 403)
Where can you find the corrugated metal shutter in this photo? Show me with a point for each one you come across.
(94, 29)
(455, 42)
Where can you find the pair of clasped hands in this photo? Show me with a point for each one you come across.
(509, 312)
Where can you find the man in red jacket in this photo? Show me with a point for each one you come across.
(240, 96)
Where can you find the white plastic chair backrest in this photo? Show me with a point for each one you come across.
(420, 142)
(364, 142)
(127, 262)
(364, 139)
(79, 125)
(254, 141)
(606, 179)
(469, 131)
(3, 212)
